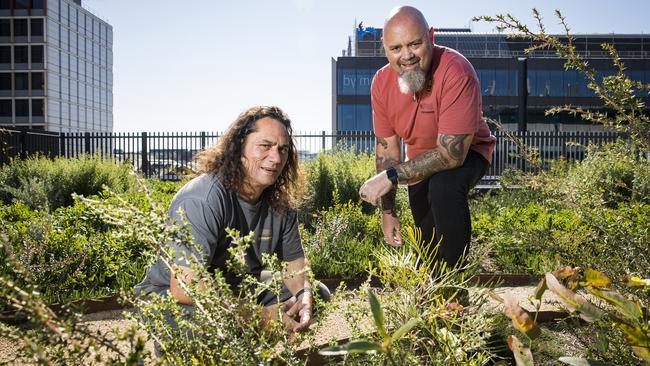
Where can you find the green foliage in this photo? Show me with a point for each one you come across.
(610, 175)
(529, 238)
(594, 213)
(624, 314)
(58, 339)
(424, 315)
(363, 346)
(335, 177)
(72, 253)
(343, 241)
(46, 184)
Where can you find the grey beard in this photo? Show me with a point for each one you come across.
(411, 81)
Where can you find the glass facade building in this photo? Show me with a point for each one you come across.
(56, 67)
(495, 58)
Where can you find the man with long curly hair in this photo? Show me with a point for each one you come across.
(247, 182)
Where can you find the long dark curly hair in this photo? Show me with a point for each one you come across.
(224, 158)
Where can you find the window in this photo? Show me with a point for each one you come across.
(37, 4)
(37, 54)
(22, 108)
(38, 81)
(4, 5)
(22, 80)
(5, 108)
(5, 81)
(21, 54)
(5, 27)
(5, 54)
(21, 4)
(37, 27)
(20, 27)
(37, 107)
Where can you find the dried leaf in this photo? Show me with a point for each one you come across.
(636, 281)
(596, 278)
(573, 301)
(540, 289)
(520, 317)
(629, 309)
(523, 355)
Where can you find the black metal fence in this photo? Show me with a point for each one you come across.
(167, 154)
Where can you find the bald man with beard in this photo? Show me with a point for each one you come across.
(429, 97)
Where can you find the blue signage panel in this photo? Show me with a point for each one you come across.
(354, 81)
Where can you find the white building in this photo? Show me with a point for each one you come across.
(56, 67)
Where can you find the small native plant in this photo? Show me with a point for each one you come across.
(427, 315)
(626, 312)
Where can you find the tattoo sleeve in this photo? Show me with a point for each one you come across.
(449, 153)
(383, 161)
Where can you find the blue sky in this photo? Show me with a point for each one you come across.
(194, 65)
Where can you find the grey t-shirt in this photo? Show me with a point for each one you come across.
(210, 209)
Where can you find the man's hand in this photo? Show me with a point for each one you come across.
(390, 226)
(300, 308)
(374, 188)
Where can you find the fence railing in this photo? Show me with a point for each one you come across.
(167, 154)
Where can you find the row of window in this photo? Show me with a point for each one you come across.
(74, 68)
(79, 92)
(18, 29)
(21, 4)
(500, 82)
(22, 83)
(21, 108)
(71, 114)
(78, 20)
(23, 56)
(82, 47)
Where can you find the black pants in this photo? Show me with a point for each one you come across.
(439, 205)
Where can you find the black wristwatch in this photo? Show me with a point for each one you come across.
(392, 176)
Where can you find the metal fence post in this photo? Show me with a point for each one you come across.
(144, 156)
(203, 140)
(62, 144)
(23, 144)
(87, 142)
(323, 145)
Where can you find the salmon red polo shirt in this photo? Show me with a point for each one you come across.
(451, 106)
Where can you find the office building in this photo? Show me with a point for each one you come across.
(497, 59)
(56, 67)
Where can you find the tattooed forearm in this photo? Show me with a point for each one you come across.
(382, 141)
(455, 146)
(384, 162)
(449, 153)
(422, 166)
(388, 202)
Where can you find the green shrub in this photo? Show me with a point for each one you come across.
(610, 175)
(46, 184)
(343, 242)
(335, 177)
(73, 253)
(531, 238)
(592, 213)
(70, 254)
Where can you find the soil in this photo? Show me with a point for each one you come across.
(335, 326)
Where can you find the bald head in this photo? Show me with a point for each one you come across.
(408, 47)
(406, 15)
